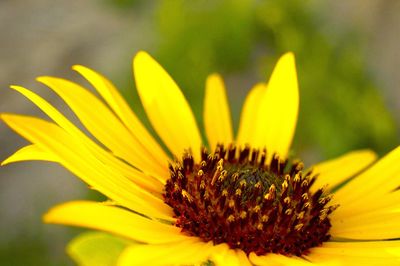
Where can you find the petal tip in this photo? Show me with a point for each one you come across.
(372, 154)
(288, 56)
(5, 162)
(214, 80)
(287, 60)
(47, 217)
(58, 212)
(4, 116)
(19, 89)
(141, 56)
(15, 87)
(78, 67)
(214, 76)
(42, 79)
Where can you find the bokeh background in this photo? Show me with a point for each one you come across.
(348, 61)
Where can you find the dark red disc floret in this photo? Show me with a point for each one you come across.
(236, 196)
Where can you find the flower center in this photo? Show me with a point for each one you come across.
(234, 196)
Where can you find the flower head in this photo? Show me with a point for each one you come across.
(241, 201)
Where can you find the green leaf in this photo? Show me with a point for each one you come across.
(96, 249)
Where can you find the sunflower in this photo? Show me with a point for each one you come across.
(238, 201)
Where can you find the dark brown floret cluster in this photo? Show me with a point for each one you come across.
(235, 196)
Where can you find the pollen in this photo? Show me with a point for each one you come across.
(235, 196)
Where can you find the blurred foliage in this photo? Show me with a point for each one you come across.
(31, 247)
(33, 250)
(341, 107)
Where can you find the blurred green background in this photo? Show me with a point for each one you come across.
(346, 58)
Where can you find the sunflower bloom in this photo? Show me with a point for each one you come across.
(236, 201)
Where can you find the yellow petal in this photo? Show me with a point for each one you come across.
(114, 220)
(243, 259)
(277, 115)
(217, 116)
(373, 184)
(373, 225)
(249, 115)
(358, 253)
(166, 106)
(350, 246)
(117, 103)
(348, 220)
(189, 252)
(103, 124)
(30, 152)
(388, 202)
(139, 178)
(76, 158)
(272, 259)
(223, 255)
(336, 171)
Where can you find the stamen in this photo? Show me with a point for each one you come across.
(234, 196)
